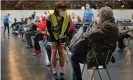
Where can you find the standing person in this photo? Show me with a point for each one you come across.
(57, 27)
(6, 23)
(88, 14)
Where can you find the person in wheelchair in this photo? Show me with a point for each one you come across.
(123, 34)
(103, 36)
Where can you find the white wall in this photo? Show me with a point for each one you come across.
(119, 14)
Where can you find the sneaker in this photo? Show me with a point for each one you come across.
(36, 52)
(29, 46)
(62, 76)
(55, 76)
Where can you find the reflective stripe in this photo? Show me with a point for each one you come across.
(65, 24)
(54, 20)
(55, 23)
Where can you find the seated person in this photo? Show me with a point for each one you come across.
(14, 24)
(40, 35)
(31, 31)
(19, 28)
(104, 36)
(123, 34)
(79, 18)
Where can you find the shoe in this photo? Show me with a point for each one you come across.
(62, 76)
(55, 76)
(29, 46)
(4, 33)
(23, 40)
(48, 64)
(36, 52)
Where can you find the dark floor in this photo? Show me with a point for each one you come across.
(18, 63)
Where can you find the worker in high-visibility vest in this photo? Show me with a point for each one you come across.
(57, 27)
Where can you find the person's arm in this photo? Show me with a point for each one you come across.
(99, 34)
(8, 19)
(49, 25)
(124, 31)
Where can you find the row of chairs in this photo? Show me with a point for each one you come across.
(97, 68)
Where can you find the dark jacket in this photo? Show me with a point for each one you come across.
(105, 36)
(102, 40)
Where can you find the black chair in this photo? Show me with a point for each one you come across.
(98, 67)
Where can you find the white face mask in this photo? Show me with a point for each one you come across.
(87, 7)
(98, 20)
(62, 13)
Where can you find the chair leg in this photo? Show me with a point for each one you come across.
(99, 75)
(66, 54)
(66, 59)
(83, 69)
(108, 73)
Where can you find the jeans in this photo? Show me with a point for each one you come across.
(75, 60)
(6, 25)
(38, 37)
(48, 49)
(28, 35)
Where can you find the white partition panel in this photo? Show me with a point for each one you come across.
(18, 14)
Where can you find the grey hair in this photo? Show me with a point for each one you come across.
(107, 14)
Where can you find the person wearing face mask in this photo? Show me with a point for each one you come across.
(88, 14)
(58, 23)
(101, 41)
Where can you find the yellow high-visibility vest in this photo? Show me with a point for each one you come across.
(55, 23)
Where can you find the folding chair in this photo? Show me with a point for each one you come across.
(67, 53)
(100, 66)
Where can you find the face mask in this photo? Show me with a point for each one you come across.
(98, 20)
(87, 7)
(62, 13)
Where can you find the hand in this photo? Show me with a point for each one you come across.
(123, 31)
(38, 29)
(55, 29)
(60, 36)
(10, 22)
